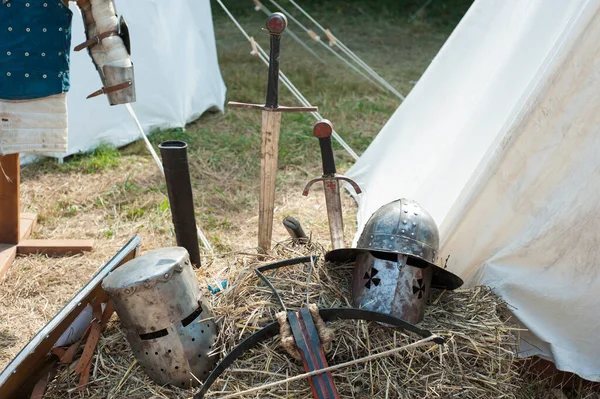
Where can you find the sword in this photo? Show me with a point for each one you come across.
(331, 184)
(271, 126)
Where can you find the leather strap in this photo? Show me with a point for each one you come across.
(96, 40)
(111, 89)
(40, 387)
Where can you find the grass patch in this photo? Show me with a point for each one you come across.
(103, 157)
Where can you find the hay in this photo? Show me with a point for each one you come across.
(477, 361)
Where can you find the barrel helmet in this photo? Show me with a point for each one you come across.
(166, 320)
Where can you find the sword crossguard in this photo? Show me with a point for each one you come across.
(330, 178)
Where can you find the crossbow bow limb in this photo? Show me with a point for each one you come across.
(328, 314)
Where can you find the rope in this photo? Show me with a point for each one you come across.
(288, 342)
(159, 164)
(423, 342)
(288, 83)
(348, 52)
(328, 48)
(260, 6)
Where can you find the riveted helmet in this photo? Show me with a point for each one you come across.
(401, 227)
(395, 258)
(167, 323)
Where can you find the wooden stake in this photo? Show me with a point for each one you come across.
(9, 199)
(271, 125)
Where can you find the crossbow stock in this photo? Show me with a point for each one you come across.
(307, 338)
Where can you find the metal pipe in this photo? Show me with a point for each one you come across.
(181, 199)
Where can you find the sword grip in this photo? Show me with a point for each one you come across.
(323, 130)
(276, 24)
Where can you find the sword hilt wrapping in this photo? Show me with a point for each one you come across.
(276, 24)
(323, 130)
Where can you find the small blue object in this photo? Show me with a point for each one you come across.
(35, 41)
(217, 289)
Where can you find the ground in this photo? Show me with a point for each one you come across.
(111, 194)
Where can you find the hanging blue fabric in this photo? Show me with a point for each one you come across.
(35, 41)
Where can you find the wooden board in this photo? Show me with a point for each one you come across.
(28, 223)
(9, 199)
(7, 256)
(54, 247)
(34, 355)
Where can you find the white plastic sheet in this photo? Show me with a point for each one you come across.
(500, 141)
(176, 68)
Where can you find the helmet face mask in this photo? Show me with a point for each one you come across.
(391, 285)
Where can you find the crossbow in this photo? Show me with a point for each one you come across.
(306, 336)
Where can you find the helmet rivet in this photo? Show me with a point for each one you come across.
(146, 285)
(370, 244)
(412, 234)
(402, 230)
(414, 223)
(371, 235)
(416, 213)
(421, 254)
(390, 246)
(406, 211)
(404, 221)
(167, 275)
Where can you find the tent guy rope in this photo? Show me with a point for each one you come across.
(201, 235)
(286, 81)
(334, 41)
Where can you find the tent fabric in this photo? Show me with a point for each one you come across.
(500, 142)
(177, 75)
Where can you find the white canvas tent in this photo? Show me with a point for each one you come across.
(500, 141)
(176, 68)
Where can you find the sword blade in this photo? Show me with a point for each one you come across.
(271, 125)
(334, 212)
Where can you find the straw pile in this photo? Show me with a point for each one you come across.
(476, 362)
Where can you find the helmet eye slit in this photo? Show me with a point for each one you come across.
(185, 322)
(154, 335)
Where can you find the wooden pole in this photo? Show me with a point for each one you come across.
(9, 199)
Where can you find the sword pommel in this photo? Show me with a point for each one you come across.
(276, 23)
(323, 130)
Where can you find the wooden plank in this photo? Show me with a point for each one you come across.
(34, 354)
(54, 247)
(7, 256)
(28, 223)
(9, 198)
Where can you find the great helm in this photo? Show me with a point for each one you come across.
(167, 323)
(395, 261)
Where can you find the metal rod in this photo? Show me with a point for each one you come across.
(181, 199)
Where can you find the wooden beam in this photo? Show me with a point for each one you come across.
(28, 223)
(9, 198)
(7, 256)
(54, 247)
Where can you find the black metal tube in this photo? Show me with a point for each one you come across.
(181, 199)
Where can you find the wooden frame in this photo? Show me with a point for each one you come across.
(15, 227)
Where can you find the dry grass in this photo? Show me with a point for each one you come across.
(113, 195)
(476, 362)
